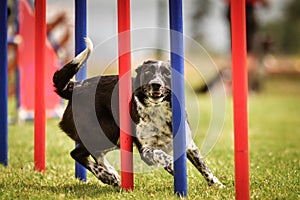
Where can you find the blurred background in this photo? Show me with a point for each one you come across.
(276, 33)
(274, 87)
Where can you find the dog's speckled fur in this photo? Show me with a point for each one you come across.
(150, 111)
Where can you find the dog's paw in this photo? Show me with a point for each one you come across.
(116, 183)
(216, 183)
(169, 169)
(111, 179)
(162, 158)
(219, 185)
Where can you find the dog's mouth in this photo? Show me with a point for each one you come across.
(156, 97)
(155, 94)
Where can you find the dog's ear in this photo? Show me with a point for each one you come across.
(169, 62)
(138, 70)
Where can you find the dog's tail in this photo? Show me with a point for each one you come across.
(62, 78)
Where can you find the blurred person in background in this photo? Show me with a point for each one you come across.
(255, 44)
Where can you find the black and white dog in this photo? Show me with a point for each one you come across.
(150, 111)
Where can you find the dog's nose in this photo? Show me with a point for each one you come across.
(155, 86)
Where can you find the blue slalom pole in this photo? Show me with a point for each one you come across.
(3, 84)
(80, 34)
(178, 101)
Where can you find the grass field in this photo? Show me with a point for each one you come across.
(274, 135)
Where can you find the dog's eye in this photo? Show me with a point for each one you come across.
(167, 73)
(148, 72)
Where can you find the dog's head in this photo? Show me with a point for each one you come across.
(154, 79)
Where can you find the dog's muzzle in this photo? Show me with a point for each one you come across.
(156, 91)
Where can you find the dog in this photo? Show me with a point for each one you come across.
(150, 110)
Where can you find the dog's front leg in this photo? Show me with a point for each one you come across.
(194, 155)
(157, 157)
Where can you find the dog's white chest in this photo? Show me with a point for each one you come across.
(154, 128)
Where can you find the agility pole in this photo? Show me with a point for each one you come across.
(80, 34)
(124, 49)
(39, 105)
(3, 84)
(240, 95)
(178, 99)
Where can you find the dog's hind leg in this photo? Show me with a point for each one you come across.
(107, 176)
(80, 154)
(194, 155)
(106, 172)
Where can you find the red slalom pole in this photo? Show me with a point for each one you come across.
(240, 98)
(125, 94)
(39, 106)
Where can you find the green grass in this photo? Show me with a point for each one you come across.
(274, 135)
